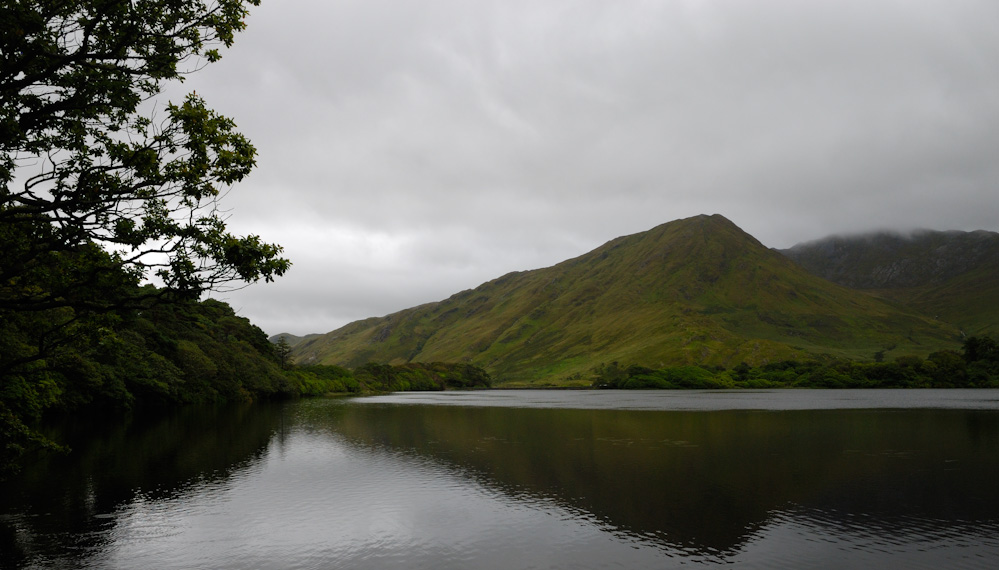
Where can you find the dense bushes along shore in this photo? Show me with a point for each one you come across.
(415, 376)
(976, 366)
(171, 354)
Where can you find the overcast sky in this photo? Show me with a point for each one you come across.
(412, 149)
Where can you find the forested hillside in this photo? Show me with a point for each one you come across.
(170, 354)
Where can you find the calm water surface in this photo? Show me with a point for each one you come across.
(525, 479)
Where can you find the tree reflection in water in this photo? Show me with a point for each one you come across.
(62, 502)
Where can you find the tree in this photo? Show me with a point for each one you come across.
(981, 353)
(283, 352)
(980, 348)
(98, 190)
(83, 169)
(96, 195)
(951, 368)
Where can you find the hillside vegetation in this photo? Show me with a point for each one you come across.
(694, 291)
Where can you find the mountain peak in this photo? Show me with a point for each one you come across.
(700, 221)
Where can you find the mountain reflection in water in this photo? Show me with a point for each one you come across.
(406, 481)
(708, 481)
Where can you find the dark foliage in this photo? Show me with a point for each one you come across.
(978, 367)
(173, 354)
(97, 195)
(420, 376)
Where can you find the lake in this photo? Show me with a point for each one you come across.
(524, 479)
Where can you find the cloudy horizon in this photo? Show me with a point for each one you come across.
(410, 150)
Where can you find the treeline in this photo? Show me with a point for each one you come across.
(975, 366)
(153, 354)
(160, 355)
(167, 355)
(414, 376)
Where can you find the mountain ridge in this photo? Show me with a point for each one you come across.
(952, 275)
(893, 260)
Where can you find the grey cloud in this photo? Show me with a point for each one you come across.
(456, 141)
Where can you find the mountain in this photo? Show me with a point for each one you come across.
(291, 339)
(953, 275)
(692, 291)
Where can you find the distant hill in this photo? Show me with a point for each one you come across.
(953, 275)
(693, 291)
(291, 339)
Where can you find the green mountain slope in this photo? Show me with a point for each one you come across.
(693, 291)
(953, 276)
